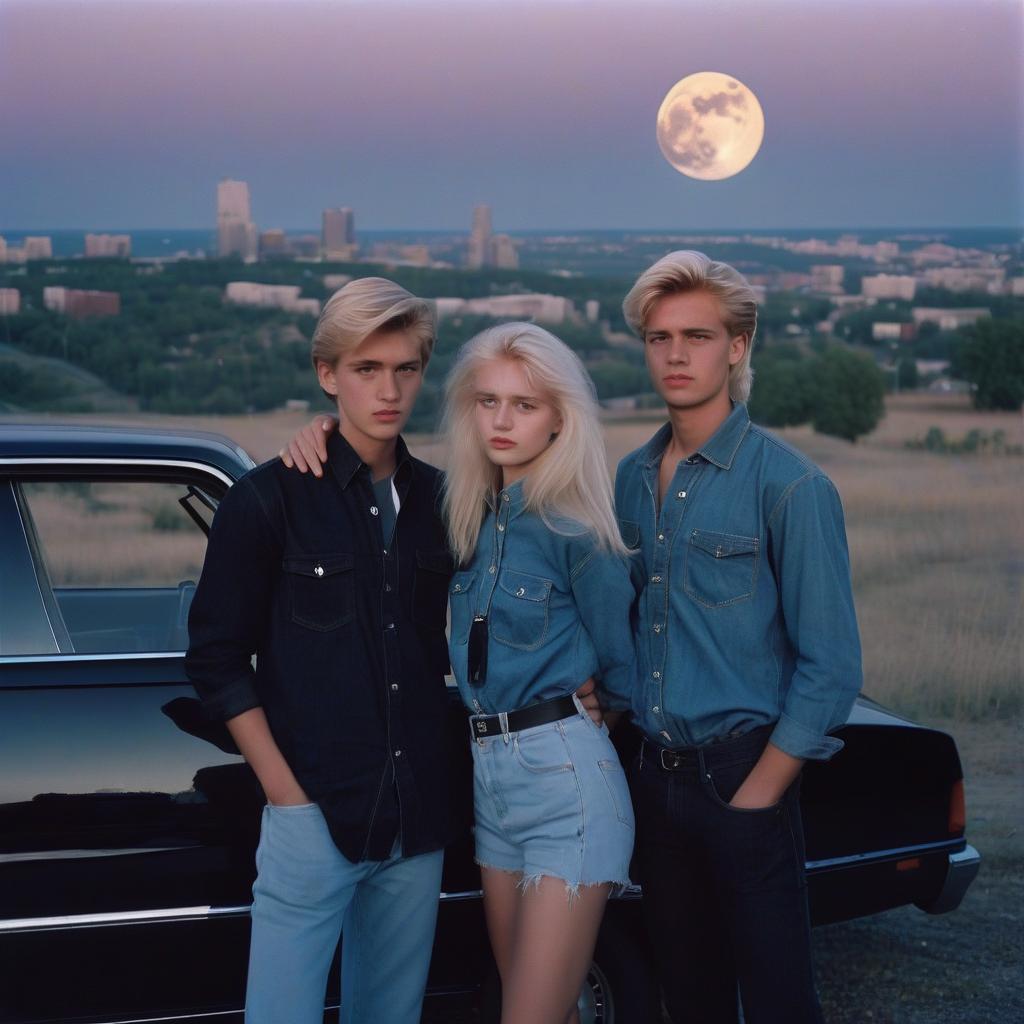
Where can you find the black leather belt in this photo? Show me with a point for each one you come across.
(525, 718)
(726, 750)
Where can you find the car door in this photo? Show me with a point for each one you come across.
(127, 822)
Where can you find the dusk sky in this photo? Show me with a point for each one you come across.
(902, 113)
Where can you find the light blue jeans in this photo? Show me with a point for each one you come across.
(306, 894)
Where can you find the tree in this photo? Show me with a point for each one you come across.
(782, 392)
(992, 359)
(906, 374)
(848, 393)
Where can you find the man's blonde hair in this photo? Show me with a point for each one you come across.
(687, 271)
(366, 305)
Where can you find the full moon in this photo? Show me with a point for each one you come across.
(710, 126)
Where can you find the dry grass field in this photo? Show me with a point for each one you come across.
(937, 544)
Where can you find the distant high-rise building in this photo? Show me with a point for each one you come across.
(504, 254)
(338, 233)
(119, 246)
(236, 232)
(38, 247)
(485, 249)
(479, 252)
(3, 249)
(273, 244)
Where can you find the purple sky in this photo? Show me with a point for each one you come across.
(900, 113)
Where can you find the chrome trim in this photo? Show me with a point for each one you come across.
(185, 1016)
(162, 916)
(203, 467)
(897, 853)
(85, 854)
(461, 897)
(60, 659)
(35, 572)
(960, 873)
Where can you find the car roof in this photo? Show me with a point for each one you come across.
(87, 441)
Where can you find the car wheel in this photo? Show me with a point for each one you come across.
(619, 989)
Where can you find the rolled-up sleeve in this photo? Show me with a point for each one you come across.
(604, 595)
(807, 535)
(230, 611)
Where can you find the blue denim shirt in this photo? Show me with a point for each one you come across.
(557, 608)
(746, 617)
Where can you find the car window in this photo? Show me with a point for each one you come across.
(120, 559)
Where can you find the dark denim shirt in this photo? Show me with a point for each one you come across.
(746, 617)
(349, 641)
(557, 608)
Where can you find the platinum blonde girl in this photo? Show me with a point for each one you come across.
(569, 486)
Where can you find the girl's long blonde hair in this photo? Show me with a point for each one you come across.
(569, 486)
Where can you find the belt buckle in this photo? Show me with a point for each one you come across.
(478, 728)
(669, 759)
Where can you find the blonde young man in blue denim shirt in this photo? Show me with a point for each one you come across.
(748, 655)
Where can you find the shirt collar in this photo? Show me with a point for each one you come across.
(345, 462)
(513, 496)
(719, 449)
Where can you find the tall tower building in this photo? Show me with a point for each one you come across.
(338, 233)
(236, 232)
(479, 252)
(504, 254)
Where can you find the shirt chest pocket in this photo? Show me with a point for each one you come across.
(461, 605)
(721, 568)
(320, 590)
(519, 610)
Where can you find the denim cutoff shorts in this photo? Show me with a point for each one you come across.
(553, 800)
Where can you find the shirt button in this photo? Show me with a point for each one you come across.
(521, 592)
(394, 686)
(318, 570)
(457, 587)
(656, 675)
(501, 528)
(661, 536)
(398, 753)
(657, 627)
(656, 709)
(505, 497)
(493, 568)
(681, 494)
(373, 510)
(655, 579)
(389, 625)
(387, 588)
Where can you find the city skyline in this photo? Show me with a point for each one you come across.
(903, 115)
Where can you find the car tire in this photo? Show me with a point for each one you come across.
(620, 986)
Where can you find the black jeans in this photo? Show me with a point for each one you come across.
(725, 898)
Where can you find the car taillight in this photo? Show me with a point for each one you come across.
(957, 808)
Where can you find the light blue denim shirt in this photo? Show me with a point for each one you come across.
(558, 610)
(746, 617)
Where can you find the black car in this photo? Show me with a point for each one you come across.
(127, 829)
